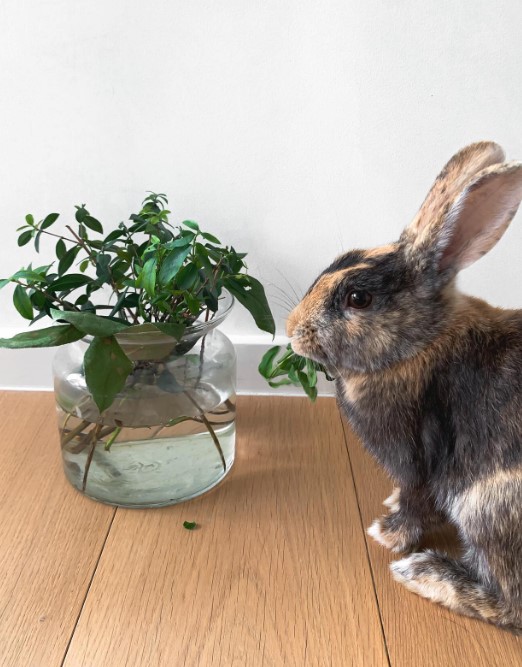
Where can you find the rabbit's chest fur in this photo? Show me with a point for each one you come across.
(446, 418)
(384, 414)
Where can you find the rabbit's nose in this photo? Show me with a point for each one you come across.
(292, 322)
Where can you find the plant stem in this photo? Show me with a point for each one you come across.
(209, 429)
(64, 238)
(66, 304)
(94, 439)
(85, 439)
(113, 437)
(191, 419)
(81, 242)
(71, 434)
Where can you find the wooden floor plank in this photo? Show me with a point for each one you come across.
(276, 575)
(419, 632)
(51, 537)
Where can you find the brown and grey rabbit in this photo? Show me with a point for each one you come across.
(431, 381)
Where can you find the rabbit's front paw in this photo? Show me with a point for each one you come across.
(396, 532)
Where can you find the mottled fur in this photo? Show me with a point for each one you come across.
(430, 379)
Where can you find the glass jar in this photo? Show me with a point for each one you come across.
(169, 435)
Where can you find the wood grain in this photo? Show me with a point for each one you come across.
(276, 575)
(51, 537)
(417, 632)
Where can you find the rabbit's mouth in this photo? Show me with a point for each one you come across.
(302, 346)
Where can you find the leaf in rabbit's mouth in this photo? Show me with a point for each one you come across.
(310, 352)
(297, 346)
(283, 367)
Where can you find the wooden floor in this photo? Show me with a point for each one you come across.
(279, 574)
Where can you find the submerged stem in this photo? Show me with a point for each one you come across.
(113, 437)
(73, 433)
(94, 439)
(209, 429)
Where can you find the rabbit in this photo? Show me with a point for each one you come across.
(431, 381)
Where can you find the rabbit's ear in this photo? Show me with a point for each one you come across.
(449, 183)
(479, 216)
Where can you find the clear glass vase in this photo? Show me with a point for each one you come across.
(170, 433)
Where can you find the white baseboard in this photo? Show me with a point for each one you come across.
(30, 369)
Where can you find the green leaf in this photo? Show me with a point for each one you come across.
(25, 237)
(236, 262)
(42, 269)
(49, 220)
(116, 234)
(84, 265)
(119, 304)
(211, 238)
(30, 276)
(171, 329)
(38, 317)
(210, 299)
(37, 241)
(81, 300)
(92, 223)
(106, 370)
(292, 374)
(88, 323)
(71, 281)
(81, 213)
(310, 391)
(181, 241)
(279, 383)
(190, 223)
(194, 305)
(251, 295)
(67, 260)
(186, 277)
(136, 218)
(49, 337)
(172, 264)
(22, 302)
(136, 333)
(311, 372)
(131, 300)
(189, 525)
(61, 249)
(138, 227)
(29, 219)
(38, 300)
(88, 307)
(298, 370)
(147, 277)
(102, 267)
(266, 364)
(4, 282)
(202, 255)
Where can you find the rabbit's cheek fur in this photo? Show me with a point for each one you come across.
(308, 323)
(396, 328)
(406, 312)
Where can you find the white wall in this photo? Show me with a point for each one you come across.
(291, 129)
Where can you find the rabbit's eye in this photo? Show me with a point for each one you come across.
(359, 299)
